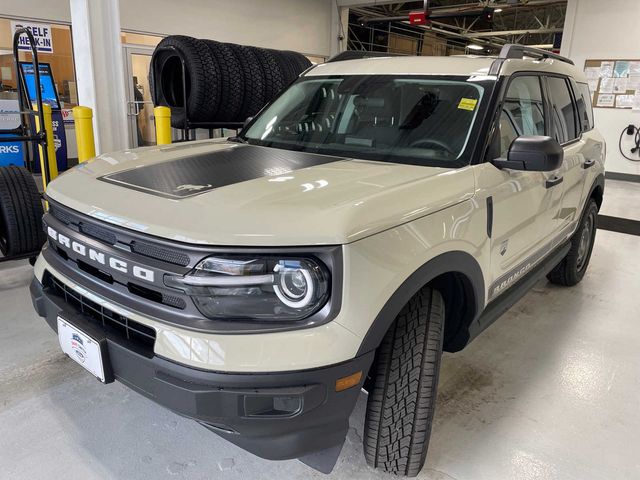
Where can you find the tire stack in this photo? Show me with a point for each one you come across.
(20, 213)
(225, 82)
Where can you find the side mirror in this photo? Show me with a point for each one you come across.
(532, 153)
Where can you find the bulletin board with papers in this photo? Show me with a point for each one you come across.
(614, 83)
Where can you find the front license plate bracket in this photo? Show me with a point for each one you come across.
(86, 345)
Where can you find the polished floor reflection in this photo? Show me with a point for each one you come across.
(550, 391)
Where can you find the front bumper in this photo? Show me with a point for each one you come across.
(276, 416)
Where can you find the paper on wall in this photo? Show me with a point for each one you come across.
(5, 73)
(620, 85)
(605, 100)
(634, 83)
(592, 72)
(606, 85)
(621, 69)
(624, 101)
(593, 84)
(606, 69)
(634, 68)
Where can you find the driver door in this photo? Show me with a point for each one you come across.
(525, 204)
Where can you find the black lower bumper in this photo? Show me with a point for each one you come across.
(275, 416)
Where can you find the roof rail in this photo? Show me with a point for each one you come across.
(359, 54)
(512, 50)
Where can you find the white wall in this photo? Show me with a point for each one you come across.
(605, 30)
(301, 25)
(54, 10)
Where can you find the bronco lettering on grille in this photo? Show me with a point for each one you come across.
(100, 257)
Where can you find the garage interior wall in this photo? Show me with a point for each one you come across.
(594, 30)
(301, 25)
(298, 25)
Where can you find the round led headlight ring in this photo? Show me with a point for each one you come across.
(294, 287)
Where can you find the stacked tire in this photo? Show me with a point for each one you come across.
(20, 213)
(225, 82)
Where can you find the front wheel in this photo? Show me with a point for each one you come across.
(402, 399)
(572, 268)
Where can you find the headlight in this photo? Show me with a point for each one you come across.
(261, 288)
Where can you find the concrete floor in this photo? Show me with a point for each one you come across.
(621, 200)
(550, 391)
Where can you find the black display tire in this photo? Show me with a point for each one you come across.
(253, 95)
(204, 88)
(272, 75)
(300, 62)
(231, 81)
(570, 271)
(404, 382)
(288, 70)
(20, 212)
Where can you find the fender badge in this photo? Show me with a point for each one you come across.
(503, 247)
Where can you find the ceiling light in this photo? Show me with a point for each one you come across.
(497, 10)
(473, 46)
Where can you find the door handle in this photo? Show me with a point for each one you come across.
(588, 164)
(553, 181)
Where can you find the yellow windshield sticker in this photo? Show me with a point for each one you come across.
(468, 104)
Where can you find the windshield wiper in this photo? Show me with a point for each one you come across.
(236, 139)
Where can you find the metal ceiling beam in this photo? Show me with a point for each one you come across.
(469, 9)
(505, 33)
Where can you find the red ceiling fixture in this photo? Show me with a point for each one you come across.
(418, 18)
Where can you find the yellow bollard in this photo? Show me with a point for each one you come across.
(83, 119)
(51, 149)
(163, 125)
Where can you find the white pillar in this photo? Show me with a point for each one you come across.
(339, 30)
(97, 51)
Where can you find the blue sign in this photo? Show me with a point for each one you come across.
(11, 153)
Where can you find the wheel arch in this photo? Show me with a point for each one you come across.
(597, 190)
(452, 273)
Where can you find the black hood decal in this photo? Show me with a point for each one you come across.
(186, 177)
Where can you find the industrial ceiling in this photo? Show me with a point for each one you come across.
(462, 26)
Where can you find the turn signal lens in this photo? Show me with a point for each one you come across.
(348, 382)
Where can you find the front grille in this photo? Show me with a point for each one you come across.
(135, 333)
(159, 253)
(107, 235)
(60, 214)
(98, 233)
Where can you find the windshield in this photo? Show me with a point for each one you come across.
(418, 120)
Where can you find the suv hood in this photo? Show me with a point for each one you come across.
(221, 193)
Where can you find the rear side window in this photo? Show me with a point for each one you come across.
(522, 111)
(565, 123)
(585, 110)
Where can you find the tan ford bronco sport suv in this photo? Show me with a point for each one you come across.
(378, 212)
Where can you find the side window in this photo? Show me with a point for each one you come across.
(565, 123)
(585, 109)
(522, 111)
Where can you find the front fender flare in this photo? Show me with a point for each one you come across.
(450, 262)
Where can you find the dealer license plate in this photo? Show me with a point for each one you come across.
(81, 348)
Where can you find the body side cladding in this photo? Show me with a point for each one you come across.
(504, 302)
(456, 262)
